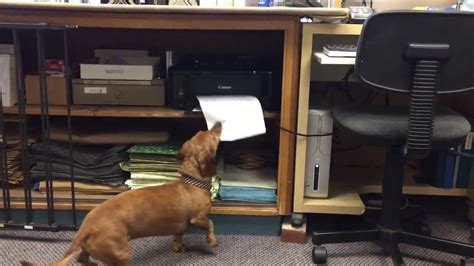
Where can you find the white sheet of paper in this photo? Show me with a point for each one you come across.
(241, 116)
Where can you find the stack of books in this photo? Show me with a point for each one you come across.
(446, 169)
(155, 165)
(253, 186)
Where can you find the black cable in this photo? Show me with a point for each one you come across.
(347, 149)
(306, 135)
(371, 97)
(345, 84)
(368, 207)
(309, 3)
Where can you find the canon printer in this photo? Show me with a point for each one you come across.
(219, 75)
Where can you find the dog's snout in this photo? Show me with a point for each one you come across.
(217, 129)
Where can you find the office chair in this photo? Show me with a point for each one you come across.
(422, 54)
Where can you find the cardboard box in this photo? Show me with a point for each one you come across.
(8, 86)
(117, 72)
(155, 82)
(119, 52)
(7, 49)
(129, 60)
(56, 90)
(118, 94)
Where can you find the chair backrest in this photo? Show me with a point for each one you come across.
(384, 44)
(420, 53)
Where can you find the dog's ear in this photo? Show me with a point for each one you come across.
(180, 155)
(182, 152)
(206, 164)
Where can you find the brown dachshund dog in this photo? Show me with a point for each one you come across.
(153, 211)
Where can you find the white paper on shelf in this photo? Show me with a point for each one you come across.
(241, 116)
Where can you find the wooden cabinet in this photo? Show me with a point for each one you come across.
(274, 33)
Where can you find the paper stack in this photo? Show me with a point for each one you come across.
(154, 165)
(257, 186)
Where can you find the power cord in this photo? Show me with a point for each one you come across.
(306, 135)
(378, 204)
(345, 88)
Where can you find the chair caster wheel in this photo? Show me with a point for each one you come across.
(466, 262)
(422, 228)
(296, 219)
(320, 255)
(425, 230)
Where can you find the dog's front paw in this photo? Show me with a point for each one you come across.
(212, 241)
(178, 247)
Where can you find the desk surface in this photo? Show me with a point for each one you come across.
(291, 11)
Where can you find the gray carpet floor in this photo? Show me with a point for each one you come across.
(43, 247)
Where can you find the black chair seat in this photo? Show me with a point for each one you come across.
(389, 125)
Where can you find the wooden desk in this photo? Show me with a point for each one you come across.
(285, 20)
(344, 189)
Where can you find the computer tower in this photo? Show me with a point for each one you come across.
(318, 153)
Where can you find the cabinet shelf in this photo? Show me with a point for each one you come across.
(345, 191)
(62, 201)
(327, 60)
(116, 111)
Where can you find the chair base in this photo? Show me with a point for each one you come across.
(389, 230)
(389, 240)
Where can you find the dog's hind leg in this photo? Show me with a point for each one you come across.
(206, 224)
(111, 250)
(178, 244)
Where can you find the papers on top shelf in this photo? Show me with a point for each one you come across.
(241, 116)
(327, 60)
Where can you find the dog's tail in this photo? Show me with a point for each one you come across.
(64, 262)
(71, 255)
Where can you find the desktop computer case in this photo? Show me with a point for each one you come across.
(318, 153)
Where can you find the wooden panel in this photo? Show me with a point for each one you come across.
(88, 202)
(348, 183)
(219, 210)
(163, 9)
(167, 18)
(244, 210)
(303, 103)
(288, 118)
(384, 5)
(147, 21)
(290, 234)
(115, 111)
(53, 110)
(341, 201)
(309, 30)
